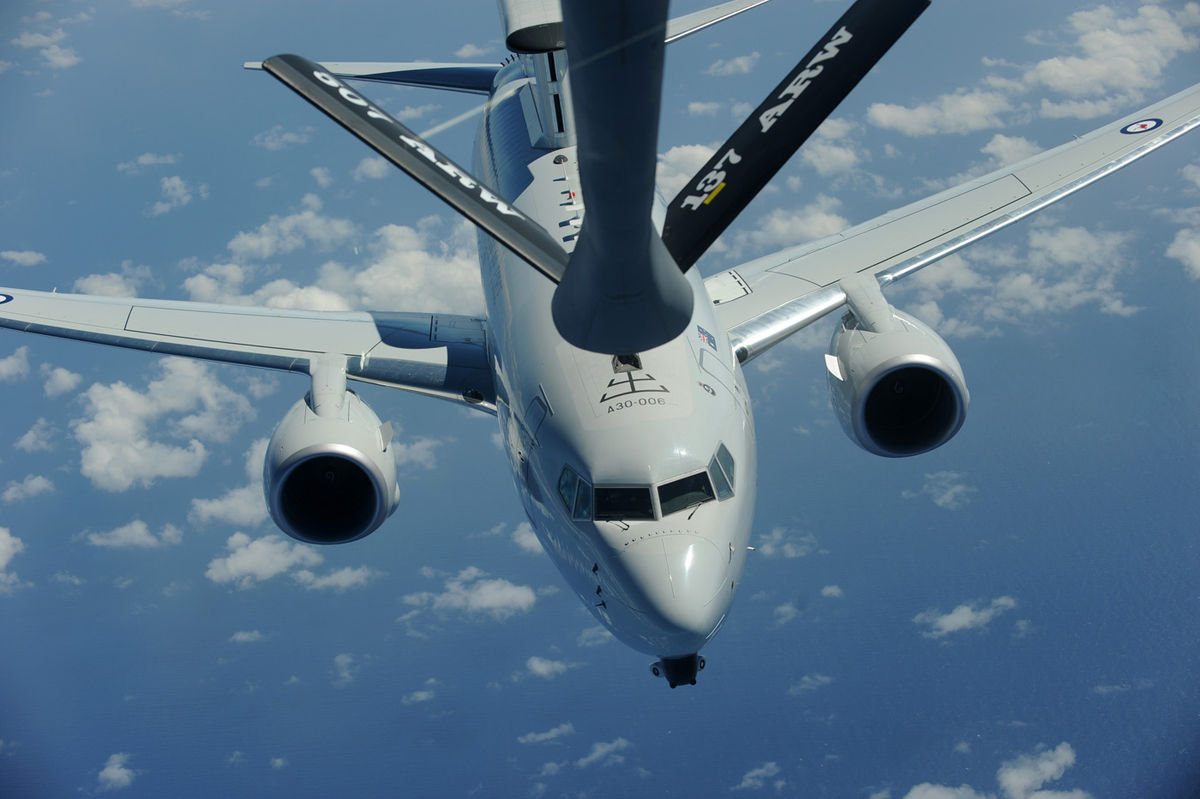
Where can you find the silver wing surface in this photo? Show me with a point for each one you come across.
(766, 300)
(442, 355)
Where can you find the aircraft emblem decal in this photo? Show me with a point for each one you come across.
(635, 383)
(706, 337)
(5, 298)
(1142, 126)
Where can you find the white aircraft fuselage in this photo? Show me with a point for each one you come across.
(615, 458)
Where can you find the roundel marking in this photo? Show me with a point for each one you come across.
(1142, 126)
(5, 298)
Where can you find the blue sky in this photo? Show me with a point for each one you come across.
(1012, 615)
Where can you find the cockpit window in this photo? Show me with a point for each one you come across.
(576, 494)
(623, 503)
(685, 492)
(721, 468)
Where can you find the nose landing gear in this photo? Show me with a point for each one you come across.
(678, 671)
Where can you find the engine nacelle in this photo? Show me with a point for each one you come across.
(330, 478)
(899, 391)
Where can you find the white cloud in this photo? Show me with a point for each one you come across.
(946, 489)
(115, 284)
(964, 617)
(346, 668)
(554, 734)
(23, 257)
(962, 112)
(136, 535)
(60, 57)
(785, 613)
(741, 65)
(278, 763)
(36, 438)
(426, 694)
(679, 164)
(524, 537)
(322, 175)
(703, 109)
(251, 561)
(277, 138)
(16, 366)
(245, 636)
(58, 380)
(809, 683)
(371, 168)
(410, 112)
(116, 774)
(284, 234)
(1023, 777)
(545, 668)
(1185, 248)
(340, 580)
(472, 51)
(10, 547)
(604, 753)
(469, 592)
(145, 160)
(176, 193)
(31, 486)
(756, 778)
(28, 39)
(243, 506)
(594, 636)
(118, 452)
(785, 227)
(831, 149)
(781, 541)
(832, 591)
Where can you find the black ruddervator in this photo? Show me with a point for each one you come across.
(621, 290)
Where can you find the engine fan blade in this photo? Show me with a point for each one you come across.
(768, 138)
(622, 292)
(422, 161)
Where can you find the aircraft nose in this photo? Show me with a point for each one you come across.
(681, 578)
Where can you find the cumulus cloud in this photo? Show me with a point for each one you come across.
(116, 773)
(31, 486)
(23, 257)
(371, 168)
(809, 683)
(342, 579)
(964, 617)
(117, 450)
(945, 488)
(740, 65)
(545, 668)
(124, 283)
(345, 668)
(756, 778)
(176, 193)
(16, 366)
(36, 438)
(472, 51)
(10, 547)
(472, 592)
(136, 535)
(604, 753)
(278, 139)
(832, 591)
(251, 561)
(785, 227)
(245, 636)
(703, 109)
(1185, 248)
(783, 542)
(58, 380)
(145, 160)
(964, 111)
(243, 506)
(284, 234)
(677, 166)
(426, 694)
(524, 537)
(594, 636)
(1023, 777)
(322, 176)
(554, 734)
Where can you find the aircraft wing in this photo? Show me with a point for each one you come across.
(442, 355)
(765, 300)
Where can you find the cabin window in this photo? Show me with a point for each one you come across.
(721, 468)
(576, 494)
(684, 493)
(623, 503)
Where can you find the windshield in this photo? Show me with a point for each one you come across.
(623, 503)
(685, 492)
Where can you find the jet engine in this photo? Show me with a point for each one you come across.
(330, 477)
(897, 388)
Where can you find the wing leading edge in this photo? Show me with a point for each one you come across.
(768, 299)
(442, 355)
